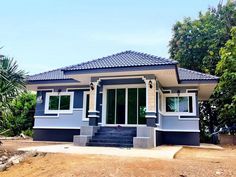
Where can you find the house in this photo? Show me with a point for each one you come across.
(127, 99)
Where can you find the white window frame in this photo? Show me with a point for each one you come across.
(48, 94)
(193, 95)
(84, 105)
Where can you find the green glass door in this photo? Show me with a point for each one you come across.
(126, 111)
(115, 106)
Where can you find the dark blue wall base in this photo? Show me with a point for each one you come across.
(178, 138)
(55, 134)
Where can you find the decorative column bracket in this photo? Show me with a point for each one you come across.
(93, 114)
(151, 113)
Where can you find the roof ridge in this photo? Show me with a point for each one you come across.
(154, 56)
(97, 59)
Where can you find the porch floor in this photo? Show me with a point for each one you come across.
(160, 152)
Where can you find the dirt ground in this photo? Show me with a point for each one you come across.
(188, 162)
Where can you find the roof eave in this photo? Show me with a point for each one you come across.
(51, 81)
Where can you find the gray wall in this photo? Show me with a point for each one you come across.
(174, 123)
(74, 119)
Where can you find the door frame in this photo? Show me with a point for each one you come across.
(104, 102)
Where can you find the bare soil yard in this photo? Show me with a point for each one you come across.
(188, 162)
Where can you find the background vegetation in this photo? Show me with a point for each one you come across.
(207, 44)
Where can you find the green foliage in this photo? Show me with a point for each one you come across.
(196, 43)
(226, 89)
(28, 132)
(20, 114)
(12, 81)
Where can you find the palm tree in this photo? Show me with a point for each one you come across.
(12, 82)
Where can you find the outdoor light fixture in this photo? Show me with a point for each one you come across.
(92, 86)
(59, 91)
(178, 92)
(150, 84)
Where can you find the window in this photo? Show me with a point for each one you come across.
(59, 102)
(180, 104)
(86, 105)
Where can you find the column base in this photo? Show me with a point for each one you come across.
(151, 119)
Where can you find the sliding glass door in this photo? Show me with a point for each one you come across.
(126, 106)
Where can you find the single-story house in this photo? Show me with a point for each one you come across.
(128, 99)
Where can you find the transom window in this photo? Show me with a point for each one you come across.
(59, 102)
(184, 104)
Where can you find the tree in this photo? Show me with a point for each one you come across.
(226, 89)
(19, 116)
(196, 45)
(12, 82)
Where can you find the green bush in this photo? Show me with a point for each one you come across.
(19, 116)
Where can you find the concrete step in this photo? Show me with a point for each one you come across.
(110, 144)
(114, 134)
(112, 140)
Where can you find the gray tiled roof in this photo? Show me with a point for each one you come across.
(56, 74)
(186, 74)
(123, 59)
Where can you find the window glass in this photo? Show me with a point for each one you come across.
(141, 105)
(87, 105)
(172, 104)
(132, 106)
(65, 102)
(190, 104)
(53, 102)
(179, 104)
(183, 104)
(111, 106)
(120, 106)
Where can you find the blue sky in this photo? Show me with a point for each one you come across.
(43, 35)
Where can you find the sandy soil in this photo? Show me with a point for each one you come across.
(189, 162)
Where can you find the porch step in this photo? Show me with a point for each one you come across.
(113, 137)
(128, 145)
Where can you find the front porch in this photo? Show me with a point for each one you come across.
(127, 101)
(122, 112)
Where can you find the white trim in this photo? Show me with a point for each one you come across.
(126, 105)
(187, 90)
(45, 90)
(176, 130)
(81, 88)
(166, 90)
(78, 109)
(84, 118)
(188, 118)
(94, 111)
(193, 95)
(121, 77)
(146, 86)
(93, 116)
(148, 116)
(48, 94)
(36, 117)
(126, 125)
(38, 127)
